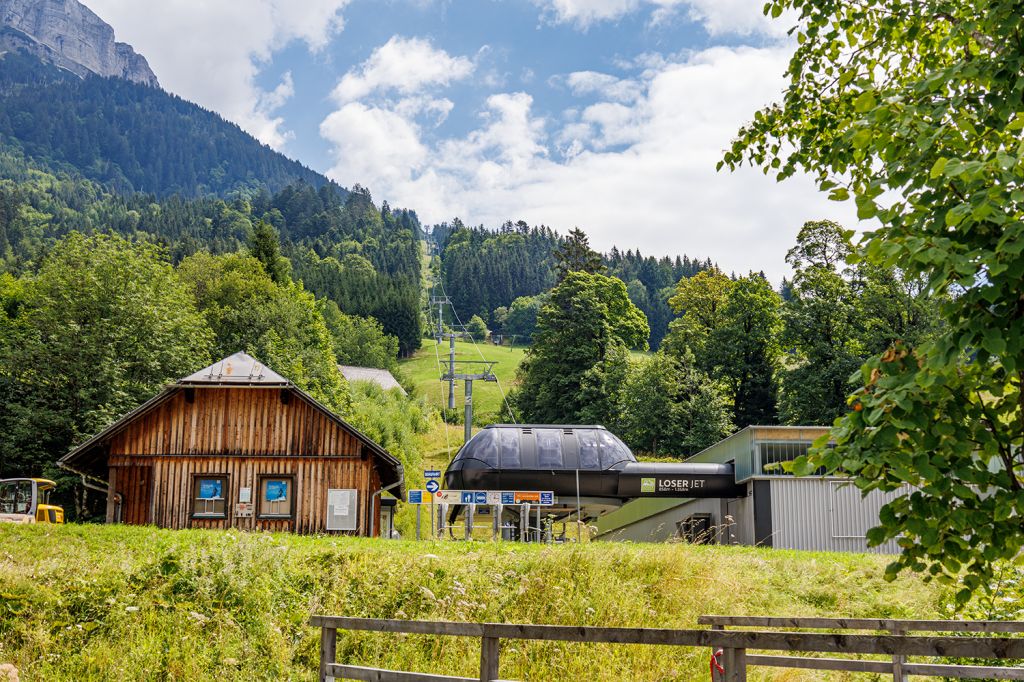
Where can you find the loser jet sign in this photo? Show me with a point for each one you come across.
(678, 485)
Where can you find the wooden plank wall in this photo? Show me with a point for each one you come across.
(240, 433)
(170, 503)
(234, 421)
(134, 485)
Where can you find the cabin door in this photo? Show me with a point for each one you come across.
(135, 483)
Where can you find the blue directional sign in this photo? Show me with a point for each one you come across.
(480, 498)
(431, 473)
(467, 498)
(508, 498)
(415, 497)
(433, 486)
(547, 498)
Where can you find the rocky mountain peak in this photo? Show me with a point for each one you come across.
(71, 36)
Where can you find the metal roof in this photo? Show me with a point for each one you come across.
(381, 377)
(239, 368)
(566, 427)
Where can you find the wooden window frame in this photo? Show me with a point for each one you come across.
(259, 497)
(227, 498)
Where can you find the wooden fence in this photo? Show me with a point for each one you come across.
(898, 667)
(733, 643)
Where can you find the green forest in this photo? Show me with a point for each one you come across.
(142, 237)
(499, 274)
(131, 137)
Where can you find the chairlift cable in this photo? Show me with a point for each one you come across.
(440, 387)
(504, 398)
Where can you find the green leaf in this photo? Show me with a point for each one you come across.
(865, 102)
(862, 138)
(865, 208)
(956, 216)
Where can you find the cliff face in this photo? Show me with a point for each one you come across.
(70, 35)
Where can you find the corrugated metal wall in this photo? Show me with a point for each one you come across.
(826, 515)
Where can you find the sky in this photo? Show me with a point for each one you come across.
(608, 115)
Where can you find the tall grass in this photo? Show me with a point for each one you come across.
(115, 602)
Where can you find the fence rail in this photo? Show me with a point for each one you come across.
(734, 645)
(899, 667)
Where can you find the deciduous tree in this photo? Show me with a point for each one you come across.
(914, 110)
(278, 324)
(586, 316)
(101, 328)
(670, 407)
(743, 351)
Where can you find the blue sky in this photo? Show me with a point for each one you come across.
(516, 49)
(604, 114)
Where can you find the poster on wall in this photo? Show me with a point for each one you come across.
(277, 490)
(210, 489)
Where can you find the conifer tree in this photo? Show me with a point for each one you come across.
(575, 255)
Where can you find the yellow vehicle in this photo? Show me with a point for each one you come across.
(26, 500)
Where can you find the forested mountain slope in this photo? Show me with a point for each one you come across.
(132, 137)
(338, 243)
(485, 271)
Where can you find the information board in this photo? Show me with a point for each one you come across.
(543, 498)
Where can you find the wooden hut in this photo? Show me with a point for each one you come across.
(237, 445)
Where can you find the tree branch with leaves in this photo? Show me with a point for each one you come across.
(915, 111)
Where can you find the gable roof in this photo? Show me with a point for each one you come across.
(241, 370)
(381, 377)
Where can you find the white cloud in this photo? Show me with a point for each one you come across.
(372, 143)
(583, 13)
(725, 17)
(211, 51)
(637, 174)
(594, 82)
(402, 65)
(718, 17)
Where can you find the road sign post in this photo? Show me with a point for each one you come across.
(497, 500)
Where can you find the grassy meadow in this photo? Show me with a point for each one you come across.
(443, 441)
(422, 371)
(129, 603)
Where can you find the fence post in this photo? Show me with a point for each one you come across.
(898, 659)
(739, 662)
(328, 650)
(488, 659)
(728, 660)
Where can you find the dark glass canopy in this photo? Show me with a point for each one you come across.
(510, 446)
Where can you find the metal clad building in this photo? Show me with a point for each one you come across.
(778, 510)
